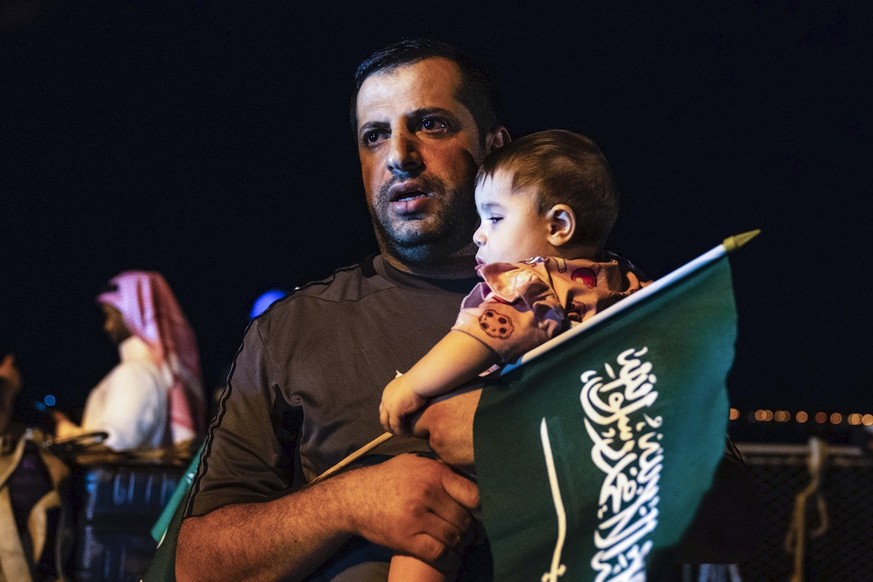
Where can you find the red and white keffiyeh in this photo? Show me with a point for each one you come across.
(151, 312)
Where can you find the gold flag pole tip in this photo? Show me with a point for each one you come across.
(732, 243)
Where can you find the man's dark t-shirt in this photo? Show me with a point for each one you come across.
(308, 379)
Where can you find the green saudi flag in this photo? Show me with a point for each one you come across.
(595, 449)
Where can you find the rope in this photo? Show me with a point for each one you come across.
(795, 537)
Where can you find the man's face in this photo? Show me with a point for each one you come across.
(113, 324)
(419, 149)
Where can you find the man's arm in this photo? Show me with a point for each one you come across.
(410, 504)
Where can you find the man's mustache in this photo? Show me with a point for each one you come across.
(427, 184)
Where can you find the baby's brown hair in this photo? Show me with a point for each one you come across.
(564, 168)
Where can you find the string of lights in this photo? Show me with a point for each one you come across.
(802, 417)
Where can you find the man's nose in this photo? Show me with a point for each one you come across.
(403, 155)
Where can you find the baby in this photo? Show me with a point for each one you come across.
(547, 203)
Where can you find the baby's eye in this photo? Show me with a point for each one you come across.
(494, 219)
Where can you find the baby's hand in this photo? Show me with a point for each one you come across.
(398, 402)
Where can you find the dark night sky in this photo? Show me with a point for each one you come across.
(212, 144)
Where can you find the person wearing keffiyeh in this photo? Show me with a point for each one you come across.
(154, 397)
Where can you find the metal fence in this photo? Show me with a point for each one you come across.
(830, 530)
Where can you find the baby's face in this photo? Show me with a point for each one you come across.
(511, 227)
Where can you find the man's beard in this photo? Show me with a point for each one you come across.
(445, 234)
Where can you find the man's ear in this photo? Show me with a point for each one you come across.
(562, 224)
(496, 139)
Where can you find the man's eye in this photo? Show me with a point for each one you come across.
(434, 124)
(373, 137)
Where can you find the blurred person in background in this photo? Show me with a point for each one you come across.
(154, 397)
(10, 385)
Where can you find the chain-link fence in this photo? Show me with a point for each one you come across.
(831, 529)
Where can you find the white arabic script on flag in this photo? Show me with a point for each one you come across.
(627, 449)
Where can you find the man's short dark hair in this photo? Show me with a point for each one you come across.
(477, 91)
(564, 168)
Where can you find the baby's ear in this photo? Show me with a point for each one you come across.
(562, 224)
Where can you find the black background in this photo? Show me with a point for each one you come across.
(211, 143)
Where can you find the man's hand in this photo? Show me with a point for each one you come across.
(64, 427)
(448, 425)
(416, 506)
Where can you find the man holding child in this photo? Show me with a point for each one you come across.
(306, 385)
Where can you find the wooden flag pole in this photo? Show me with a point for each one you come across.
(353, 456)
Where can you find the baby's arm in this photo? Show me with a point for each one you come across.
(457, 358)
